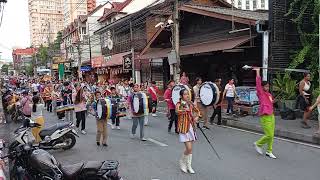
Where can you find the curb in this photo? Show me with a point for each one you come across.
(278, 132)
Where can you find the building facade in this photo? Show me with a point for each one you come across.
(22, 58)
(45, 21)
(74, 8)
(250, 4)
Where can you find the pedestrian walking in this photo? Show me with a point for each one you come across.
(199, 105)
(25, 103)
(217, 107)
(317, 104)
(137, 118)
(115, 98)
(153, 90)
(230, 93)
(80, 108)
(304, 99)
(102, 131)
(266, 113)
(37, 116)
(171, 113)
(188, 116)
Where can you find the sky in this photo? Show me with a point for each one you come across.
(14, 30)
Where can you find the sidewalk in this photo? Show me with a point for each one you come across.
(290, 129)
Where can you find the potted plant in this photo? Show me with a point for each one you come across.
(285, 91)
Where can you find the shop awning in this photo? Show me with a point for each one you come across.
(116, 59)
(210, 46)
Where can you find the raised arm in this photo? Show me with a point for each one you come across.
(258, 81)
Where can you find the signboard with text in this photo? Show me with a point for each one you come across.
(127, 62)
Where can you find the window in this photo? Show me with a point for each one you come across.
(254, 3)
(240, 4)
(247, 4)
(263, 4)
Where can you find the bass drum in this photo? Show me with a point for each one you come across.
(140, 104)
(209, 94)
(104, 109)
(176, 93)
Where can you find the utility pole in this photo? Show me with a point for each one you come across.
(79, 60)
(176, 40)
(132, 52)
(49, 49)
(90, 53)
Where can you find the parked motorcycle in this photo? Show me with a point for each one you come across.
(58, 136)
(31, 163)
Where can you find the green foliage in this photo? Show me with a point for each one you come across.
(57, 42)
(29, 70)
(308, 39)
(284, 87)
(5, 68)
(43, 55)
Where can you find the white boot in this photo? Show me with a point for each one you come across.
(183, 163)
(189, 162)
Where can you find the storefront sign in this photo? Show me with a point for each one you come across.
(55, 66)
(96, 62)
(85, 68)
(127, 62)
(101, 71)
(58, 60)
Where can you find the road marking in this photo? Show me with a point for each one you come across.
(279, 138)
(157, 142)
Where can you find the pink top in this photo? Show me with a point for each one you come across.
(265, 99)
(26, 109)
(78, 107)
(184, 80)
(168, 97)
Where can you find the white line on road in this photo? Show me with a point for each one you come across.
(282, 139)
(157, 142)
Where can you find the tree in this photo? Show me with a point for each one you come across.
(5, 68)
(57, 42)
(43, 55)
(309, 35)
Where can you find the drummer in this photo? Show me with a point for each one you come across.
(136, 118)
(198, 104)
(114, 97)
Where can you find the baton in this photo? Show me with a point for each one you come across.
(209, 142)
(246, 67)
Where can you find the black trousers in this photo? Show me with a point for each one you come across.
(49, 105)
(115, 120)
(81, 118)
(173, 118)
(217, 111)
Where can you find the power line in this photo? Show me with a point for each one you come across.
(1, 14)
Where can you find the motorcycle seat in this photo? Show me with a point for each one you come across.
(71, 171)
(50, 130)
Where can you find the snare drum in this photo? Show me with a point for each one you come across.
(64, 108)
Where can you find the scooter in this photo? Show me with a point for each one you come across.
(31, 163)
(58, 136)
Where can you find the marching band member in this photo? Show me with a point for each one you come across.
(114, 118)
(266, 113)
(137, 118)
(47, 96)
(186, 127)
(217, 107)
(102, 130)
(197, 102)
(153, 91)
(172, 115)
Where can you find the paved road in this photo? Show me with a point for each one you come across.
(149, 160)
